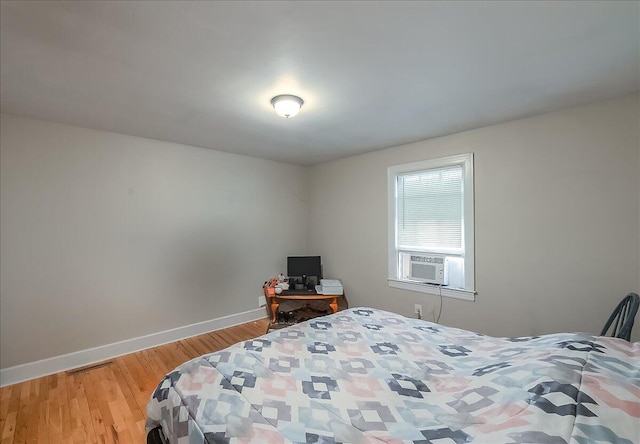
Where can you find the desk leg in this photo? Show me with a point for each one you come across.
(274, 309)
(334, 305)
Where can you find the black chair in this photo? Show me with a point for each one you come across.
(623, 315)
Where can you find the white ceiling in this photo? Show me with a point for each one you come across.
(372, 74)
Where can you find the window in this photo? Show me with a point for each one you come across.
(431, 226)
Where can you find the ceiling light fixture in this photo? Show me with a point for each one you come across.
(287, 105)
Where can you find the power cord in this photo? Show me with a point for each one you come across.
(437, 320)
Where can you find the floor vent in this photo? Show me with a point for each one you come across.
(75, 371)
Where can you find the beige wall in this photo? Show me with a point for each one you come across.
(107, 237)
(557, 221)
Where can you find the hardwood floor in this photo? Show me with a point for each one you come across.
(105, 404)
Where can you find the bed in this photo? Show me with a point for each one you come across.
(369, 376)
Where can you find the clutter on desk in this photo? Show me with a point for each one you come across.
(277, 285)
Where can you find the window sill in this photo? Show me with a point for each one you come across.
(456, 293)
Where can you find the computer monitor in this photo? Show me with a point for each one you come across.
(303, 266)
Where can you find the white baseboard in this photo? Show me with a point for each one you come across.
(37, 369)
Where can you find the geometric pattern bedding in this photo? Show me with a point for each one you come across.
(369, 376)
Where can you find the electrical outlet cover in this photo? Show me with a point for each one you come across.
(261, 301)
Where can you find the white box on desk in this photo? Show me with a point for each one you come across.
(331, 287)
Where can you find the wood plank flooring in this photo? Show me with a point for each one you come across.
(105, 404)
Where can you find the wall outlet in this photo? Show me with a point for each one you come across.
(261, 301)
(417, 309)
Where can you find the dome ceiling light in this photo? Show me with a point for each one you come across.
(287, 105)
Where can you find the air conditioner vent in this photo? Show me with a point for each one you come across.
(428, 259)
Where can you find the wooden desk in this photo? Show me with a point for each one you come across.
(300, 295)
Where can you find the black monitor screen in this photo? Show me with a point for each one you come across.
(304, 266)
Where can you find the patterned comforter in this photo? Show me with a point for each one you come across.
(370, 376)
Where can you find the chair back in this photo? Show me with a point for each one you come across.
(622, 318)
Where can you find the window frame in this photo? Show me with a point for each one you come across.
(468, 220)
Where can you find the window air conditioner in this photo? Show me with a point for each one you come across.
(427, 269)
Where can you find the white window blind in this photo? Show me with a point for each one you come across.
(430, 210)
